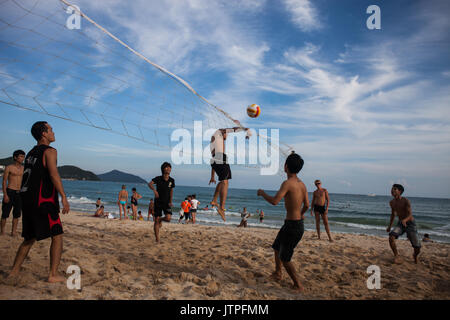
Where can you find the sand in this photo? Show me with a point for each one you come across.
(120, 260)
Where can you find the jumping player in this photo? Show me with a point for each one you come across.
(41, 185)
(219, 165)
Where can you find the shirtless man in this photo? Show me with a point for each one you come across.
(219, 165)
(12, 180)
(294, 192)
(122, 202)
(320, 204)
(402, 208)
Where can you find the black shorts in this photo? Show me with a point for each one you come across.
(160, 208)
(14, 201)
(287, 239)
(319, 209)
(41, 222)
(187, 215)
(223, 171)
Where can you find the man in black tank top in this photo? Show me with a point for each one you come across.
(41, 184)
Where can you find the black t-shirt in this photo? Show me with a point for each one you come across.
(163, 187)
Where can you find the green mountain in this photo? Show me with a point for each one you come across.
(118, 176)
(72, 172)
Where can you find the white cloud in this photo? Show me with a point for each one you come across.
(304, 15)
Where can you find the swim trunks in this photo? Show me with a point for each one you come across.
(287, 239)
(223, 169)
(319, 209)
(411, 232)
(14, 201)
(122, 202)
(39, 199)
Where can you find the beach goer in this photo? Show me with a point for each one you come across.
(98, 203)
(151, 209)
(194, 206)
(295, 195)
(426, 238)
(186, 205)
(244, 216)
(122, 202)
(220, 166)
(319, 205)
(163, 197)
(401, 207)
(261, 216)
(140, 217)
(181, 212)
(134, 202)
(100, 212)
(41, 185)
(12, 180)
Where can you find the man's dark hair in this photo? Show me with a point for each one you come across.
(294, 163)
(37, 129)
(399, 187)
(194, 196)
(18, 153)
(165, 165)
(134, 189)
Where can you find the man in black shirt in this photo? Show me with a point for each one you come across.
(163, 197)
(40, 187)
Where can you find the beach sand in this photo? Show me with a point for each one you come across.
(120, 260)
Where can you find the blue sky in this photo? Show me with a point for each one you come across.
(365, 108)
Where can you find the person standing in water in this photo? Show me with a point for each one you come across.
(122, 202)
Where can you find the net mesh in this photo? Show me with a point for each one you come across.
(89, 76)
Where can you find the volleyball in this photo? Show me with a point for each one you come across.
(253, 110)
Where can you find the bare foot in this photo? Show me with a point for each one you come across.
(221, 211)
(298, 288)
(12, 279)
(331, 240)
(398, 260)
(276, 276)
(14, 234)
(55, 279)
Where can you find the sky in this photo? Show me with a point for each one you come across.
(364, 108)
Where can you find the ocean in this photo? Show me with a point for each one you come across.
(348, 213)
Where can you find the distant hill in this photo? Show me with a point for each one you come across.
(6, 161)
(119, 176)
(72, 172)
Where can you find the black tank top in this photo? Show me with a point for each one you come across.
(37, 187)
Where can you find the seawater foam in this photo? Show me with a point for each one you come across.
(81, 200)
